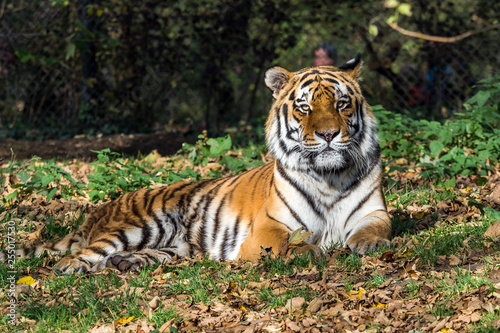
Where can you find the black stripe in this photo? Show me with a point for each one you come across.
(97, 250)
(217, 217)
(174, 225)
(285, 116)
(236, 230)
(146, 236)
(283, 147)
(88, 263)
(108, 241)
(161, 229)
(360, 204)
(235, 178)
(278, 123)
(223, 246)
(358, 179)
(309, 199)
(331, 81)
(211, 195)
(135, 209)
(171, 191)
(152, 258)
(71, 242)
(186, 199)
(148, 201)
(284, 109)
(169, 252)
(272, 218)
(123, 238)
(305, 84)
(302, 79)
(294, 214)
(292, 96)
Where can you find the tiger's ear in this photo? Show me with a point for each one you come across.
(353, 66)
(276, 78)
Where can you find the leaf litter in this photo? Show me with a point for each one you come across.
(389, 291)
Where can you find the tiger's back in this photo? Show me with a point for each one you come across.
(326, 178)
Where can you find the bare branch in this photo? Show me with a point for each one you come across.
(440, 39)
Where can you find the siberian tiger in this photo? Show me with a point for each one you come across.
(326, 177)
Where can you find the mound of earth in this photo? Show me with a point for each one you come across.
(166, 143)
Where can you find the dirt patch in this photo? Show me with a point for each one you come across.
(165, 143)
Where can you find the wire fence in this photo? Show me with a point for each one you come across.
(48, 77)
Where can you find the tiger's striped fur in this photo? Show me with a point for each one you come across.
(326, 178)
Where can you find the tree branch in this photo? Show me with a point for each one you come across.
(440, 39)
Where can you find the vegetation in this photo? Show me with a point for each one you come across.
(440, 272)
(99, 67)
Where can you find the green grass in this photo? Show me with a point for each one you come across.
(80, 302)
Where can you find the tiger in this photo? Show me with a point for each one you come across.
(325, 177)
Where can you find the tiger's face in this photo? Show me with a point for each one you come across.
(320, 120)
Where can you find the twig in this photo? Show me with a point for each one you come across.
(440, 39)
(2, 9)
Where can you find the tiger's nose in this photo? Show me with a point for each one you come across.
(328, 135)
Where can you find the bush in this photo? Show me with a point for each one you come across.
(467, 144)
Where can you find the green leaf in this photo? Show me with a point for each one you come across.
(51, 193)
(481, 181)
(373, 30)
(450, 183)
(12, 196)
(47, 179)
(480, 98)
(436, 148)
(23, 176)
(405, 9)
(70, 51)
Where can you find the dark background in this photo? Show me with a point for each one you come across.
(97, 67)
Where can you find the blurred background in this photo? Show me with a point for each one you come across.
(95, 67)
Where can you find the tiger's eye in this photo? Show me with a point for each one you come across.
(305, 108)
(340, 104)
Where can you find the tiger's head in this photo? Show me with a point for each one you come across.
(320, 120)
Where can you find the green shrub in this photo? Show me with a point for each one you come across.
(465, 145)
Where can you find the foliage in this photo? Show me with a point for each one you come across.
(468, 144)
(216, 149)
(43, 178)
(94, 67)
(440, 263)
(114, 175)
(140, 63)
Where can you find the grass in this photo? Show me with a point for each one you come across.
(81, 302)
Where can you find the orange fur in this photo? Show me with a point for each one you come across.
(326, 178)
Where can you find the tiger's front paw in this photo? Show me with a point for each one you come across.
(362, 245)
(68, 265)
(305, 248)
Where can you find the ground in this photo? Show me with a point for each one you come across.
(165, 143)
(441, 273)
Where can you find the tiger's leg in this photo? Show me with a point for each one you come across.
(270, 233)
(110, 251)
(72, 242)
(84, 260)
(375, 232)
(134, 261)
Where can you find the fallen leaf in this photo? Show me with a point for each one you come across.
(357, 294)
(298, 236)
(26, 280)
(493, 231)
(124, 320)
